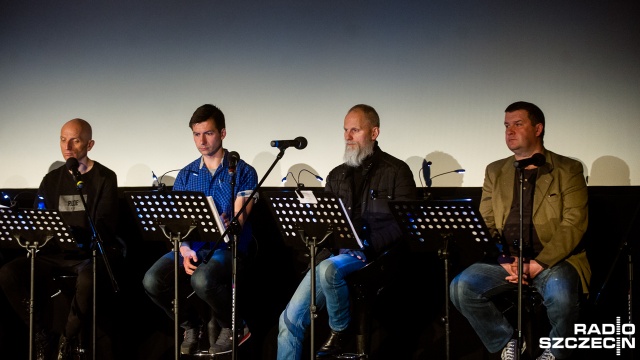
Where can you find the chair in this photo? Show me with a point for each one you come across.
(364, 286)
(63, 291)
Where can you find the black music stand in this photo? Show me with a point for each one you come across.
(315, 219)
(434, 224)
(173, 215)
(32, 229)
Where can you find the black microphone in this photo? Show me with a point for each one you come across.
(537, 159)
(233, 162)
(72, 165)
(426, 172)
(298, 143)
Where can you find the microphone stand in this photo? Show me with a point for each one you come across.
(96, 242)
(520, 263)
(624, 245)
(234, 227)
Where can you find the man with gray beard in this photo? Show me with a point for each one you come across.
(365, 182)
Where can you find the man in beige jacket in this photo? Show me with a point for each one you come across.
(554, 220)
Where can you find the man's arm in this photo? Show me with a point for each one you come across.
(562, 219)
(106, 207)
(486, 203)
(384, 228)
(248, 181)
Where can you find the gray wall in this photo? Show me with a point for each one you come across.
(440, 73)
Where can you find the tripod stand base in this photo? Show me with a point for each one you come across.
(351, 356)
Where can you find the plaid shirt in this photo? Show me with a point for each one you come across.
(196, 177)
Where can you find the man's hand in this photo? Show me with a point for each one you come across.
(534, 269)
(190, 259)
(355, 253)
(512, 270)
(225, 219)
(530, 270)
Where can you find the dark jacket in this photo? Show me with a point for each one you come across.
(385, 178)
(58, 189)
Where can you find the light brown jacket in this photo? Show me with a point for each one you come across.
(560, 209)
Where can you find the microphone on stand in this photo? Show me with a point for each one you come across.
(537, 159)
(72, 165)
(299, 143)
(233, 162)
(426, 172)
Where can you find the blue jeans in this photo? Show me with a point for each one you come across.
(211, 282)
(331, 291)
(472, 289)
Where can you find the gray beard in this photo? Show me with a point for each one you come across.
(354, 157)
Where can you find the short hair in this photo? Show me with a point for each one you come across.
(208, 112)
(535, 114)
(369, 113)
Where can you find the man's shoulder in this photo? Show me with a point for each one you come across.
(386, 157)
(192, 166)
(103, 169)
(247, 166)
(53, 176)
(561, 159)
(497, 164)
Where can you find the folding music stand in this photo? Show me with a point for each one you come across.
(433, 224)
(315, 219)
(173, 215)
(32, 229)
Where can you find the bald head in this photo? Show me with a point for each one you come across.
(76, 140)
(81, 126)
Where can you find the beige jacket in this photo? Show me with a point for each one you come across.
(560, 209)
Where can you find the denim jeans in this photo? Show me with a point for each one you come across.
(472, 289)
(331, 291)
(211, 282)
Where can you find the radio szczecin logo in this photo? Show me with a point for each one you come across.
(606, 336)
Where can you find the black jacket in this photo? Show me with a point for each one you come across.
(384, 178)
(58, 189)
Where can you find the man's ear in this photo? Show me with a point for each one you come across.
(375, 132)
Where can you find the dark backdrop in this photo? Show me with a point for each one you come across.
(407, 315)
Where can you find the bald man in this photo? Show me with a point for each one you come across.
(61, 190)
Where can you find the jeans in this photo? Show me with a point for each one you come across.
(331, 291)
(472, 289)
(211, 282)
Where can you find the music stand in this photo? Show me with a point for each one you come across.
(163, 215)
(312, 216)
(32, 229)
(434, 223)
